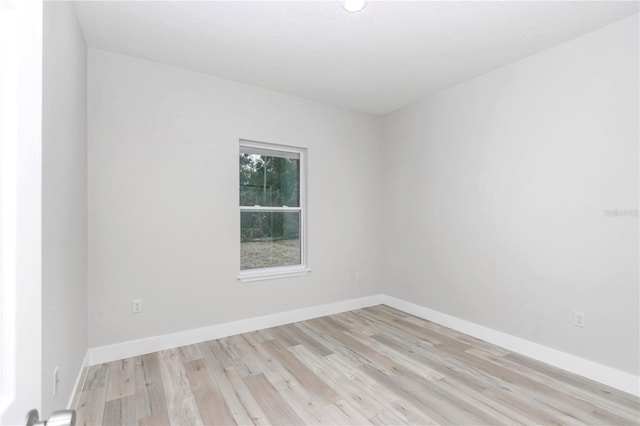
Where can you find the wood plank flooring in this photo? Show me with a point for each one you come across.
(375, 366)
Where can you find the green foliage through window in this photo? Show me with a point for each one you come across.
(269, 181)
(270, 207)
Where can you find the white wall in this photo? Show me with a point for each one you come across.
(492, 195)
(496, 191)
(163, 198)
(64, 203)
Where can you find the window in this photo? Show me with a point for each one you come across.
(272, 211)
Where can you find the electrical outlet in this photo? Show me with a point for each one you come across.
(56, 380)
(579, 319)
(136, 306)
(358, 276)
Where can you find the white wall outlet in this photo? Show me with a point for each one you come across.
(56, 380)
(579, 319)
(358, 276)
(136, 306)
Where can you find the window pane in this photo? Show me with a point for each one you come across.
(269, 180)
(269, 239)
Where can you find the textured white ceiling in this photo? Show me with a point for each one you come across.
(381, 59)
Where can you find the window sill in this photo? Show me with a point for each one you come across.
(272, 274)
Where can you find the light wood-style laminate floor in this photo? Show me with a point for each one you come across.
(370, 366)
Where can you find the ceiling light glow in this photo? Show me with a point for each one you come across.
(354, 5)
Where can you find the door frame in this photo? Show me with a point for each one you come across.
(21, 214)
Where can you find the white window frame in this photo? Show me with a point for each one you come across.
(260, 274)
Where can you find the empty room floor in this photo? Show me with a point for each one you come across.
(370, 366)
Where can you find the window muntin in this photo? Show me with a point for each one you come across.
(272, 214)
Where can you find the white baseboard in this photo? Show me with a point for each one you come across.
(158, 343)
(79, 384)
(621, 380)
